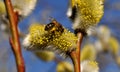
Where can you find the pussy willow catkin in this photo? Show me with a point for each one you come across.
(85, 13)
(24, 7)
(53, 39)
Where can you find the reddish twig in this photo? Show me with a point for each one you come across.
(75, 55)
(75, 61)
(14, 39)
(79, 42)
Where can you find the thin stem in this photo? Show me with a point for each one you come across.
(79, 42)
(14, 39)
(75, 61)
(75, 55)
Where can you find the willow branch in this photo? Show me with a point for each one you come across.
(75, 61)
(79, 42)
(75, 55)
(14, 38)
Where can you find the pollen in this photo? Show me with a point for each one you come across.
(91, 12)
(93, 63)
(66, 42)
(40, 39)
(88, 13)
(36, 33)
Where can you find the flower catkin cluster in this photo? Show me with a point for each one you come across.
(46, 56)
(23, 7)
(89, 66)
(2, 8)
(64, 67)
(88, 52)
(53, 39)
(85, 13)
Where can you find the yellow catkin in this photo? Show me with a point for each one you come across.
(89, 66)
(2, 8)
(89, 13)
(114, 45)
(37, 35)
(88, 52)
(93, 63)
(64, 67)
(41, 39)
(24, 7)
(66, 42)
(45, 55)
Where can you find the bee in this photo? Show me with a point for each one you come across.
(54, 26)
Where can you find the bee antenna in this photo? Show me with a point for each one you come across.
(51, 18)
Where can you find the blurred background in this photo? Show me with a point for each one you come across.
(106, 38)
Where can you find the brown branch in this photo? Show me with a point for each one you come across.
(75, 61)
(79, 42)
(14, 39)
(75, 55)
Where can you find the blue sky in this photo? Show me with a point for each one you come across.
(57, 9)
